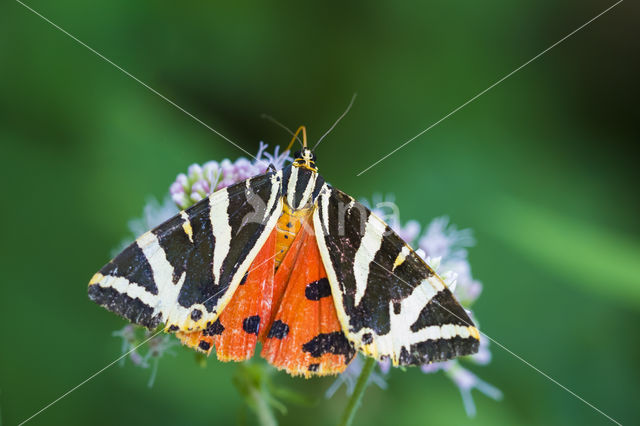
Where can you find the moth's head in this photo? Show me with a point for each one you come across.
(305, 159)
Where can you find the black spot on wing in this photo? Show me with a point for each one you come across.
(132, 309)
(441, 309)
(251, 325)
(213, 328)
(133, 265)
(196, 314)
(405, 357)
(318, 289)
(244, 278)
(279, 330)
(313, 367)
(204, 345)
(367, 338)
(173, 327)
(329, 343)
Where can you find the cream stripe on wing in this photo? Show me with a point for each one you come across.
(275, 193)
(133, 290)
(162, 274)
(219, 217)
(325, 193)
(369, 246)
(311, 183)
(291, 187)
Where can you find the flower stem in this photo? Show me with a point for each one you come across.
(262, 409)
(355, 399)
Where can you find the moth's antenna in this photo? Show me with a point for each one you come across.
(295, 136)
(353, 98)
(277, 123)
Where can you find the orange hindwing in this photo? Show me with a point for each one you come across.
(305, 336)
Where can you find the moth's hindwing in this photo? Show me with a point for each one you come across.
(390, 303)
(304, 336)
(185, 271)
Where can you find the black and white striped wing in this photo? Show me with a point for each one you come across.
(390, 303)
(185, 271)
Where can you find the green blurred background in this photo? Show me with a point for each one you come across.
(544, 168)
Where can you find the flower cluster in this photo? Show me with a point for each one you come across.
(444, 248)
(203, 180)
(155, 347)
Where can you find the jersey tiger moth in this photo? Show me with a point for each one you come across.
(287, 260)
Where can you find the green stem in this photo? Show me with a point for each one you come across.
(262, 409)
(356, 397)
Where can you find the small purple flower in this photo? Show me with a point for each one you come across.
(154, 213)
(350, 377)
(445, 241)
(385, 366)
(386, 209)
(483, 357)
(202, 181)
(467, 289)
(444, 247)
(154, 348)
(466, 382)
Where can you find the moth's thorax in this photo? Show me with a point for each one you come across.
(301, 186)
(288, 226)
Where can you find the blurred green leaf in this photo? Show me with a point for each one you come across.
(292, 396)
(591, 258)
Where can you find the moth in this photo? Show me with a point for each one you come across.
(289, 261)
